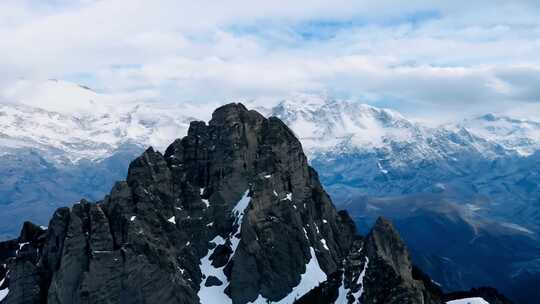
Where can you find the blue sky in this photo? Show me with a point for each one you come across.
(431, 59)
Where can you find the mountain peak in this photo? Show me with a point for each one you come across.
(514, 134)
(230, 213)
(314, 103)
(306, 100)
(233, 113)
(209, 219)
(386, 242)
(492, 117)
(329, 124)
(56, 96)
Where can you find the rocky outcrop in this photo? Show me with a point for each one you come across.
(389, 277)
(21, 275)
(376, 270)
(231, 213)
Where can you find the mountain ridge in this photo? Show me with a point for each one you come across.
(327, 119)
(452, 167)
(183, 225)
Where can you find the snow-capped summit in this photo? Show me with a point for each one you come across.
(69, 123)
(325, 124)
(519, 135)
(329, 127)
(58, 96)
(68, 138)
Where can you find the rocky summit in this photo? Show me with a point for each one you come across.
(231, 213)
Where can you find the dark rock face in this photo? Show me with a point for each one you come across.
(389, 277)
(22, 275)
(231, 213)
(212, 281)
(377, 270)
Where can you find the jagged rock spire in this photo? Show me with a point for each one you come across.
(231, 213)
(150, 238)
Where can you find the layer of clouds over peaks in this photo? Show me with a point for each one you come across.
(419, 57)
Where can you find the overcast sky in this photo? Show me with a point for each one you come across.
(431, 59)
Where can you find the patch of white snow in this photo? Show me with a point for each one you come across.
(308, 280)
(469, 301)
(323, 241)
(213, 294)
(4, 293)
(288, 197)
(206, 202)
(357, 295)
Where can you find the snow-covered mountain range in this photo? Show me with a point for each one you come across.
(379, 152)
(231, 213)
(519, 135)
(458, 192)
(69, 123)
(329, 126)
(79, 123)
(479, 176)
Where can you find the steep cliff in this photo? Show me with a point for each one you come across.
(231, 213)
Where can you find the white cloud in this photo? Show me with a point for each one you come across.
(417, 56)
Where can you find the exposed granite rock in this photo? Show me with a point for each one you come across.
(212, 281)
(327, 292)
(232, 210)
(22, 275)
(389, 278)
(376, 270)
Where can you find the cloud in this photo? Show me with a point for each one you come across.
(417, 56)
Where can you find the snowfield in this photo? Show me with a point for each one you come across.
(468, 301)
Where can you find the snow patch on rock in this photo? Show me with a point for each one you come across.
(4, 293)
(469, 301)
(238, 212)
(308, 281)
(357, 295)
(215, 294)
